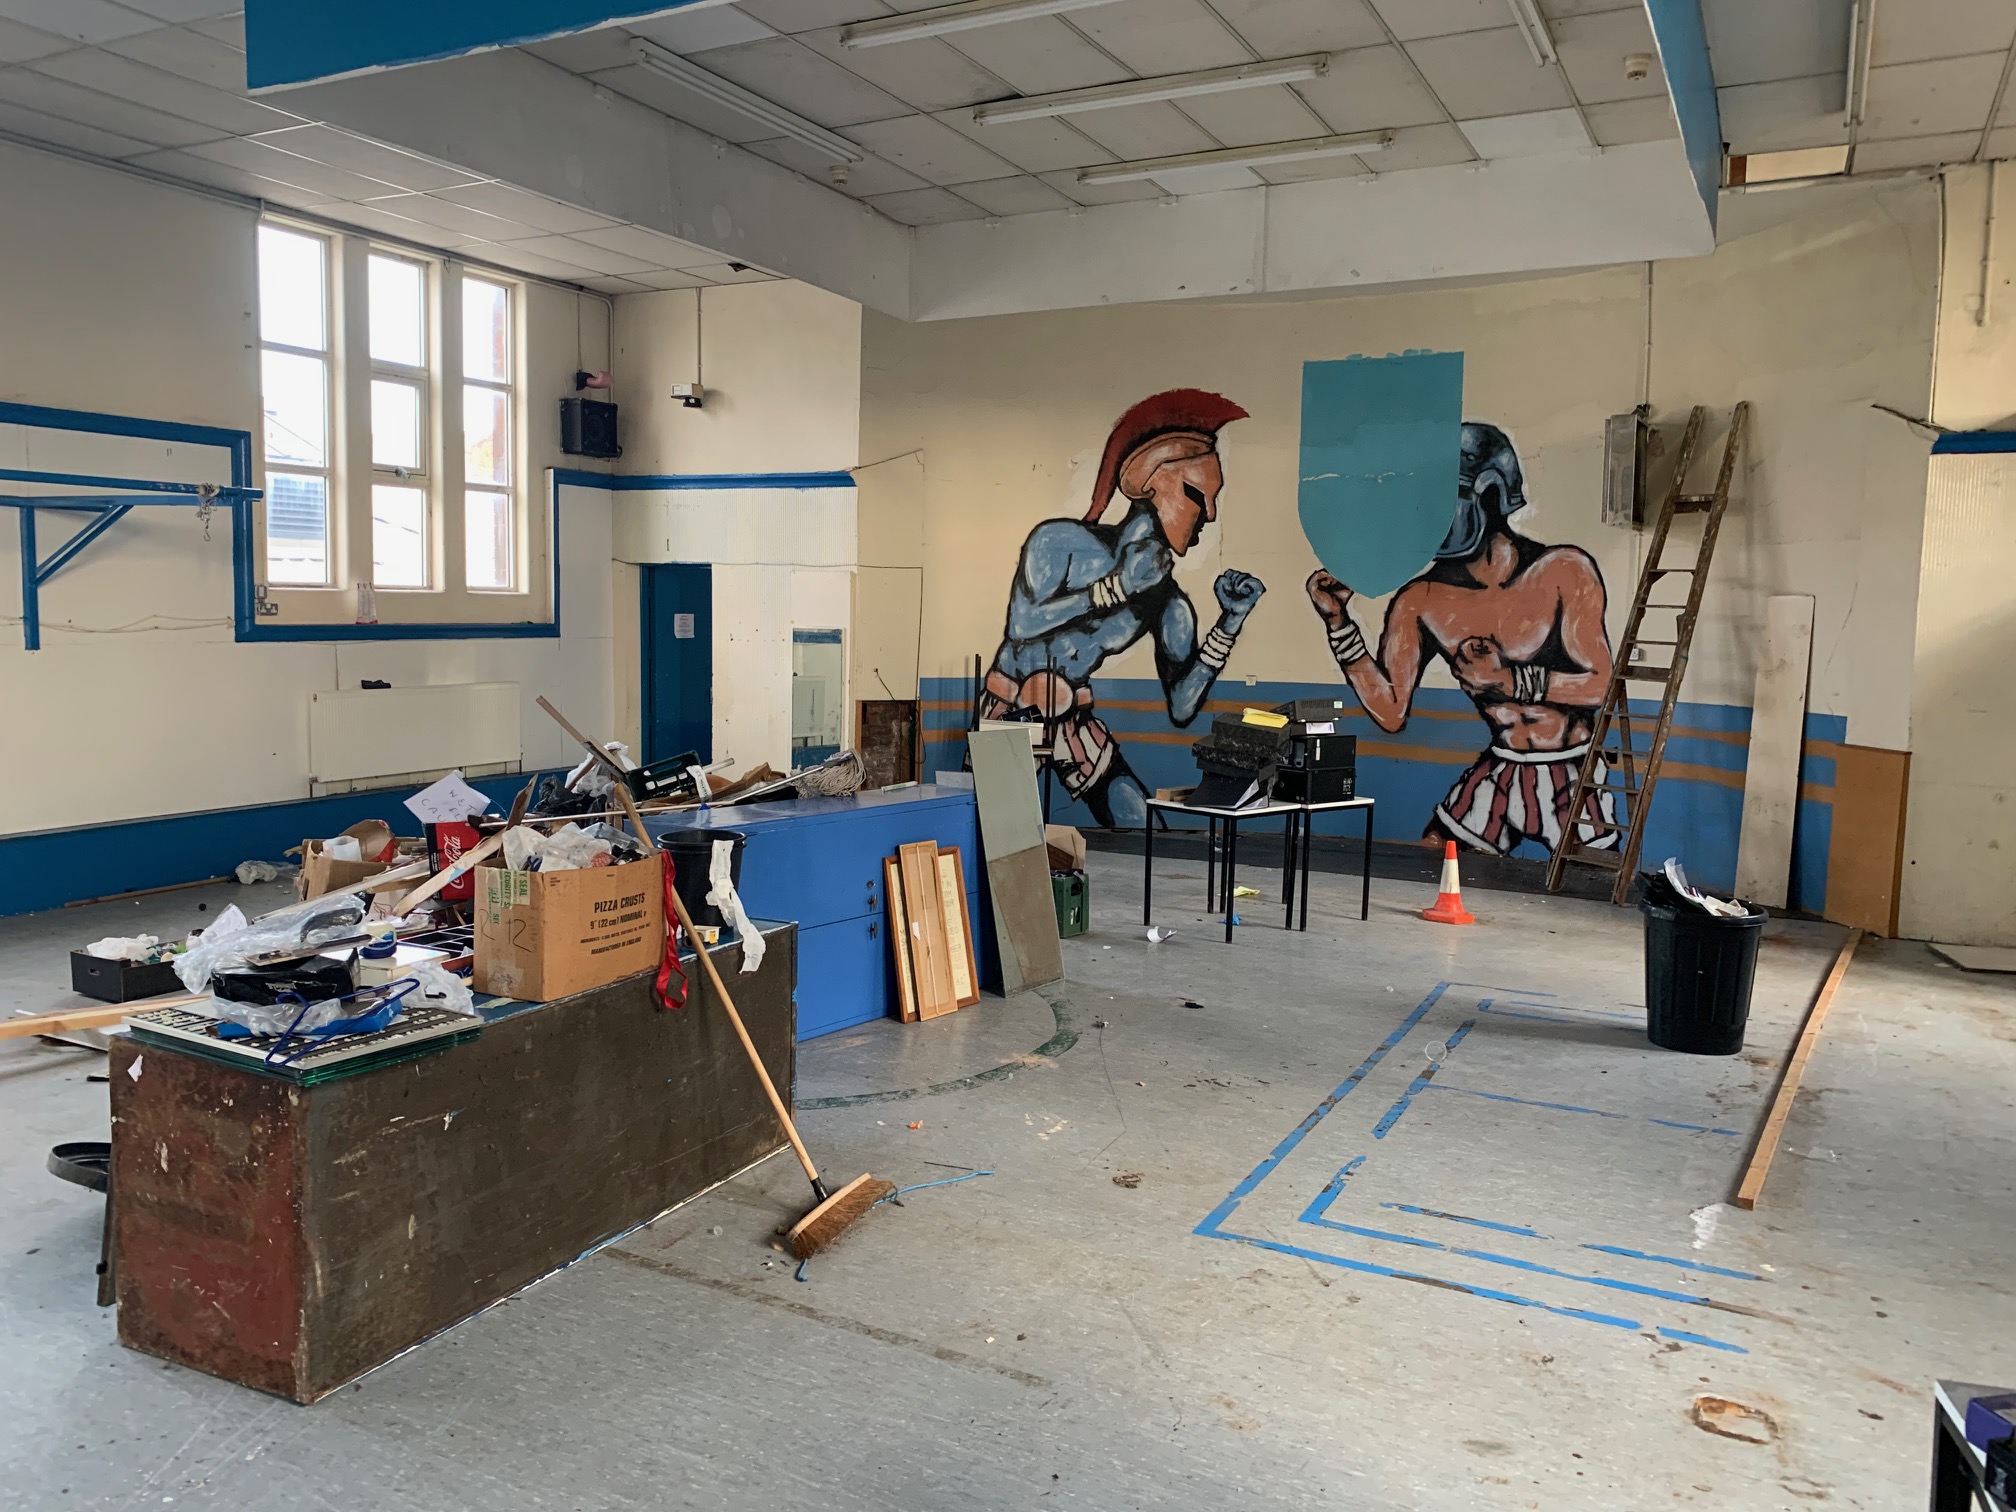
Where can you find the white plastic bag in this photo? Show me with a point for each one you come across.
(440, 988)
(230, 941)
(123, 947)
(721, 893)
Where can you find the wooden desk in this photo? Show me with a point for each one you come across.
(291, 1238)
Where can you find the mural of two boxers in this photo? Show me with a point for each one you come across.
(1086, 590)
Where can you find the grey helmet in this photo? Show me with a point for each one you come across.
(1489, 488)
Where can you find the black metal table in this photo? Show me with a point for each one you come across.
(1296, 829)
(1959, 1470)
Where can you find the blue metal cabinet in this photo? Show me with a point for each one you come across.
(818, 861)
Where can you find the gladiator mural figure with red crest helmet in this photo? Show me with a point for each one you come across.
(1085, 590)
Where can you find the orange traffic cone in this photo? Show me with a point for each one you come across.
(1448, 907)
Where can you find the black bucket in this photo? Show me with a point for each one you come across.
(1699, 970)
(692, 852)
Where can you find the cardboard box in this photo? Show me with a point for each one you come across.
(546, 935)
(1066, 847)
(320, 874)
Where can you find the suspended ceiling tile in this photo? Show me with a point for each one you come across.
(176, 11)
(1488, 73)
(646, 247)
(711, 26)
(1440, 18)
(671, 279)
(1783, 114)
(925, 74)
(1555, 10)
(582, 255)
(1247, 117)
(1751, 42)
(1593, 49)
(604, 283)
(533, 210)
(1162, 36)
(1040, 146)
(1144, 131)
(1422, 147)
(1039, 56)
(1065, 182)
(514, 256)
(1208, 180)
(73, 134)
(1371, 89)
(730, 273)
(930, 149)
(811, 15)
(2001, 142)
(584, 52)
(340, 149)
(1922, 99)
(21, 44)
(69, 102)
(1283, 28)
(1314, 169)
(1014, 196)
(92, 21)
(1941, 29)
(257, 155)
(670, 98)
(1916, 152)
(1623, 122)
(137, 84)
(868, 177)
(229, 30)
(1537, 134)
(195, 170)
(2006, 116)
(785, 71)
(453, 217)
(184, 50)
(385, 223)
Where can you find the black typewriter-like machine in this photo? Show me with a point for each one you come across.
(1291, 753)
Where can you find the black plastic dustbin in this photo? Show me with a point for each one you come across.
(1699, 970)
(692, 854)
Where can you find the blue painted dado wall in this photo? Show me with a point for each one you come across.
(1697, 812)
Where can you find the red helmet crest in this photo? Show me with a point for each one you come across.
(1192, 412)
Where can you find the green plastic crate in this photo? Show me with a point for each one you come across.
(1074, 903)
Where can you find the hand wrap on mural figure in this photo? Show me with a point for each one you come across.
(1085, 590)
(1520, 625)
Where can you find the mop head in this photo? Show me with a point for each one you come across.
(832, 1218)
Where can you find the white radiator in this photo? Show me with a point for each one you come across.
(394, 732)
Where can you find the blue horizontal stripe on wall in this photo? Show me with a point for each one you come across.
(1960, 443)
(1695, 815)
(54, 867)
(678, 482)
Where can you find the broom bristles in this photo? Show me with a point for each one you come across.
(832, 1218)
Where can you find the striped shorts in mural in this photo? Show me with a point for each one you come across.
(1509, 796)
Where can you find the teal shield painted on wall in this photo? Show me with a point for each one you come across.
(1377, 482)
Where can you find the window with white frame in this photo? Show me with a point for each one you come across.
(392, 428)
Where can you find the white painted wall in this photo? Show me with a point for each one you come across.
(130, 298)
(1975, 386)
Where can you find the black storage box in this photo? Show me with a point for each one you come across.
(121, 981)
(588, 428)
(1312, 710)
(1314, 784)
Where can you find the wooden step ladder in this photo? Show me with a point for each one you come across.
(1628, 770)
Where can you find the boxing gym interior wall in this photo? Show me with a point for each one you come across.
(1819, 304)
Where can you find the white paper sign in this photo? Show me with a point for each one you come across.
(449, 801)
(682, 627)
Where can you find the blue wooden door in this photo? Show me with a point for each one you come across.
(677, 656)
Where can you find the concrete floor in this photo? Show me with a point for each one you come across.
(1504, 1285)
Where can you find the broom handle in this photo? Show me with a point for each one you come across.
(707, 965)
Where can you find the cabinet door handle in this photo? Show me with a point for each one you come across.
(871, 929)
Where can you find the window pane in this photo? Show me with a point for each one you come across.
(398, 312)
(398, 536)
(291, 298)
(395, 424)
(297, 528)
(297, 409)
(486, 435)
(488, 520)
(486, 331)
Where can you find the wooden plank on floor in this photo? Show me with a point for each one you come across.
(1865, 847)
(959, 925)
(899, 939)
(929, 942)
(1777, 741)
(1027, 910)
(1752, 1185)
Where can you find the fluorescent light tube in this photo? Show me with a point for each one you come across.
(969, 15)
(1533, 27)
(751, 107)
(1167, 87)
(1239, 157)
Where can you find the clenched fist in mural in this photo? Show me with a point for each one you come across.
(1237, 593)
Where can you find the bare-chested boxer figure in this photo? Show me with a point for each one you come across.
(1521, 626)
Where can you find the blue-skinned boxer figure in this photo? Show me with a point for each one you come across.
(1086, 590)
